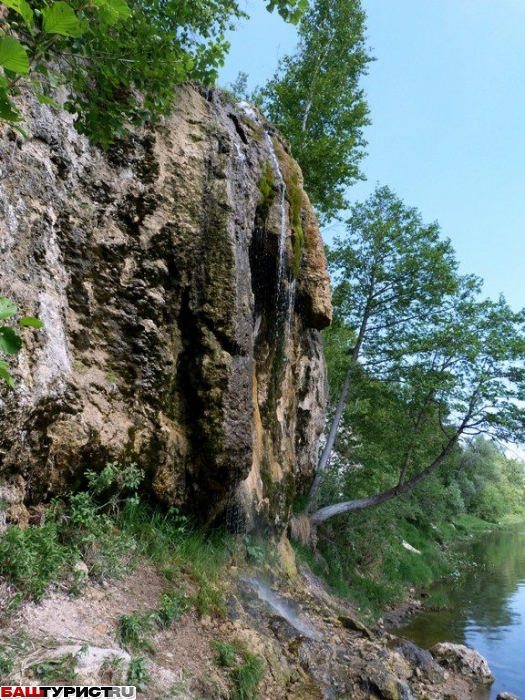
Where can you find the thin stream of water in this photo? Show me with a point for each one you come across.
(286, 288)
(285, 610)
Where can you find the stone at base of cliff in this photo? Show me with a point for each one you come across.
(507, 696)
(388, 687)
(463, 660)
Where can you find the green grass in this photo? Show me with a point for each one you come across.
(512, 519)
(226, 653)
(246, 677)
(470, 523)
(175, 547)
(437, 600)
(107, 528)
(374, 570)
(246, 670)
(134, 630)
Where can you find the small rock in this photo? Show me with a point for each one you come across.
(388, 687)
(206, 622)
(461, 659)
(507, 696)
(351, 623)
(81, 567)
(420, 660)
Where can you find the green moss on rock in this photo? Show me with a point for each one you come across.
(267, 191)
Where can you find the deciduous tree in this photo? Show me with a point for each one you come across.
(418, 329)
(119, 59)
(316, 100)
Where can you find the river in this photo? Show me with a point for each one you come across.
(485, 609)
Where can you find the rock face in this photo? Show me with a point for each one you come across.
(182, 285)
(463, 660)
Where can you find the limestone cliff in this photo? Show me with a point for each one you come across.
(182, 285)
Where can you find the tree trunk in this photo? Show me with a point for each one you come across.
(362, 503)
(330, 440)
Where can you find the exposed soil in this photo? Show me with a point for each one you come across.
(312, 644)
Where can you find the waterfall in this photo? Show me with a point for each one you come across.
(286, 283)
(284, 609)
(286, 287)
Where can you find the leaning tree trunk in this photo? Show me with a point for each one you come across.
(323, 514)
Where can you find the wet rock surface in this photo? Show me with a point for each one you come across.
(305, 636)
(181, 308)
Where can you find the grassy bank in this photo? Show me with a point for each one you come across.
(375, 559)
(104, 532)
(161, 575)
(387, 557)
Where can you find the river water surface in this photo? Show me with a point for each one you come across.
(485, 611)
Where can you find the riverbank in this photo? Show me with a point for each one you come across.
(276, 635)
(484, 609)
(139, 597)
(394, 563)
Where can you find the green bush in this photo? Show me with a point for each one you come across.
(34, 558)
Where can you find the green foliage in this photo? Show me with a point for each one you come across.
(246, 670)
(10, 341)
(173, 605)
(41, 555)
(255, 551)
(56, 671)
(316, 101)
(33, 558)
(112, 670)
(491, 485)
(238, 90)
(6, 662)
(139, 674)
(36, 34)
(394, 277)
(290, 10)
(362, 558)
(12, 648)
(431, 367)
(134, 629)
(428, 362)
(93, 536)
(120, 61)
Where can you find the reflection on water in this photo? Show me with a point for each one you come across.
(486, 610)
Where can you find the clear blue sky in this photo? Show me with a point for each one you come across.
(447, 100)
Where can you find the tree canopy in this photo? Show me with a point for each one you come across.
(426, 359)
(119, 59)
(316, 100)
